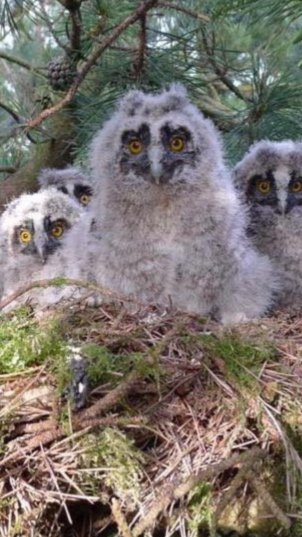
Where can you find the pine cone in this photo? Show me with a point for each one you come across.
(61, 73)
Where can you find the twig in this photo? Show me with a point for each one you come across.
(120, 519)
(58, 282)
(195, 14)
(50, 27)
(108, 421)
(220, 73)
(110, 400)
(91, 60)
(13, 59)
(172, 492)
(18, 120)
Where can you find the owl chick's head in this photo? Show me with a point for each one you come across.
(156, 138)
(36, 224)
(70, 181)
(270, 176)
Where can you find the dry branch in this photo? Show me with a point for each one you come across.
(175, 492)
(57, 282)
(108, 401)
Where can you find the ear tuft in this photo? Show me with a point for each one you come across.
(177, 95)
(131, 102)
(48, 176)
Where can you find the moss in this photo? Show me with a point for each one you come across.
(243, 360)
(23, 343)
(121, 463)
(200, 509)
(105, 366)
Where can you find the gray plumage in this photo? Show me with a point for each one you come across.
(70, 180)
(33, 230)
(168, 222)
(270, 178)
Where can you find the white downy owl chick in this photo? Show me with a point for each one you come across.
(33, 229)
(70, 180)
(168, 221)
(270, 178)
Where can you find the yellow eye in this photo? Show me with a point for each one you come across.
(85, 199)
(177, 144)
(264, 187)
(135, 147)
(57, 230)
(25, 236)
(296, 187)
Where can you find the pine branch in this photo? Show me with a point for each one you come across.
(196, 15)
(140, 60)
(18, 120)
(22, 63)
(7, 169)
(10, 111)
(76, 30)
(91, 60)
(220, 72)
(51, 28)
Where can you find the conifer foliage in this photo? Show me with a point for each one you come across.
(239, 59)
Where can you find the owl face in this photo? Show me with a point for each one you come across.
(81, 192)
(39, 237)
(271, 177)
(35, 224)
(156, 139)
(70, 181)
(157, 153)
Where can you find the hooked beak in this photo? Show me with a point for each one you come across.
(41, 249)
(156, 165)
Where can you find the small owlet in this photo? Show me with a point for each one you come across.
(270, 178)
(33, 229)
(168, 221)
(70, 180)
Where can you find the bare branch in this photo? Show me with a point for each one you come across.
(91, 60)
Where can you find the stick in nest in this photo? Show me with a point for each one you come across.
(58, 282)
(171, 492)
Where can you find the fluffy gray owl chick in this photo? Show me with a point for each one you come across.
(270, 177)
(168, 221)
(70, 180)
(33, 229)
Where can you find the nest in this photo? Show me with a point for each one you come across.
(185, 423)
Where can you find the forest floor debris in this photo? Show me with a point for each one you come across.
(190, 428)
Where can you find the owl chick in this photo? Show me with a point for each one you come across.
(33, 229)
(270, 178)
(71, 181)
(168, 221)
